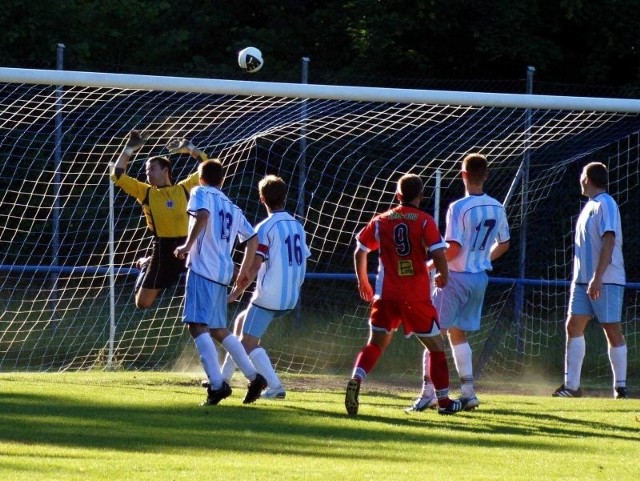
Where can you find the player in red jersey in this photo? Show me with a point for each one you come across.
(404, 237)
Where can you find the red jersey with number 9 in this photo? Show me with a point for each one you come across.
(403, 237)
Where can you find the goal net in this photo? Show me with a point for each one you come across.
(70, 239)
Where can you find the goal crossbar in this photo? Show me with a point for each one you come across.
(315, 91)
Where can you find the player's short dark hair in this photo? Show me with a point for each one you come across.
(212, 172)
(274, 191)
(476, 166)
(162, 161)
(410, 186)
(597, 173)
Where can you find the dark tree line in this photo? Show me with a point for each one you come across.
(570, 41)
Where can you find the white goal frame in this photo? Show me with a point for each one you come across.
(302, 91)
(314, 91)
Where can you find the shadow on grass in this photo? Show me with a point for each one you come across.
(171, 421)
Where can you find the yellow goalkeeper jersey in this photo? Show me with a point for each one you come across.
(164, 208)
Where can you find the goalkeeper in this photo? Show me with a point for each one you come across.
(164, 205)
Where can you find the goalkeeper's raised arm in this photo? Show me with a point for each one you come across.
(135, 141)
(164, 205)
(185, 146)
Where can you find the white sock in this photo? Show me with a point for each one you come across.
(261, 361)
(209, 359)
(463, 359)
(427, 386)
(233, 346)
(228, 368)
(618, 359)
(573, 362)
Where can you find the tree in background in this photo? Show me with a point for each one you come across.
(567, 41)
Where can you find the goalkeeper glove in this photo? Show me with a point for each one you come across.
(135, 142)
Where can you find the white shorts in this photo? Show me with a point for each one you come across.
(205, 302)
(459, 303)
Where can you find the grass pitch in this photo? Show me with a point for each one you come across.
(149, 426)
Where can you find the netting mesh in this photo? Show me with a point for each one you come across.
(67, 292)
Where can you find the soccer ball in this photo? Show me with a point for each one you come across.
(250, 59)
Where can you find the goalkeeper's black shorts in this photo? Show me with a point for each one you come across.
(164, 268)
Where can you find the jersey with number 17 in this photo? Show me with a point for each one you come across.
(403, 237)
(475, 222)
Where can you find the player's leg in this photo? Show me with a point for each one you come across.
(427, 398)
(384, 320)
(231, 343)
(142, 265)
(575, 350)
(446, 309)
(159, 271)
(468, 320)
(463, 360)
(146, 297)
(260, 359)
(369, 355)
(608, 309)
(580, 312)
(229, 365)
(617, 350)
(256, 323)
(208, 353)
(365, 361)
(439, 372)
(197, 313)
(420, 318)
(146, 289)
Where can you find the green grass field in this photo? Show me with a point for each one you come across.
(149, 426)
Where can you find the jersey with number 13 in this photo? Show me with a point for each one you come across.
(403, 236)
(210, 256)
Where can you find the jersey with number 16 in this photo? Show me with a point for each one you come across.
(283, 246)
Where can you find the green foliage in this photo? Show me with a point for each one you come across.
(569, 41)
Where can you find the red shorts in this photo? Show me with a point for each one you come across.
(419, 318)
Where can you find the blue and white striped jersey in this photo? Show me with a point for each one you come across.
(210, 256)
(282, 244)
(599, 215)
(475, 222)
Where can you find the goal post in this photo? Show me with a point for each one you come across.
(340, 149)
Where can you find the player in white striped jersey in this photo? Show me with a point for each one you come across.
(477, 233)
(214, 224)
(597, 288)
(280, 265)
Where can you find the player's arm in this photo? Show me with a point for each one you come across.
(244, 278)
(452, 251)
(498, 249)
(360, 266)
(439, 258)
(604, 259)
(236, 292)
(185, 146)
(135, 141)
(202, 218)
